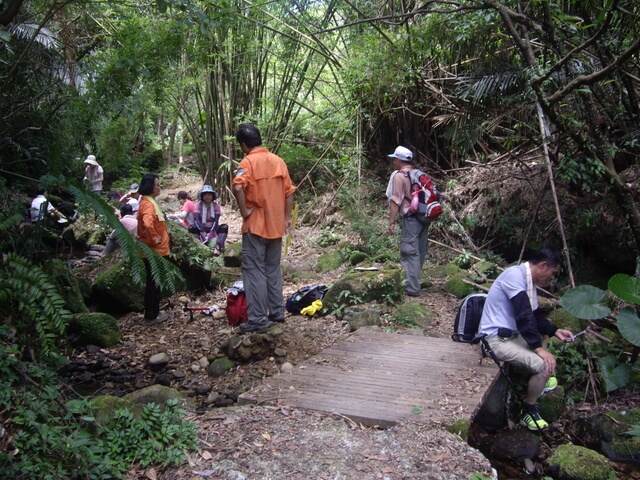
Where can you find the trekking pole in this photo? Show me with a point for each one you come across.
(488, 350)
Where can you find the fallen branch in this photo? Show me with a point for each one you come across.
(480, 287)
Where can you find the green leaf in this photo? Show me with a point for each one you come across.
(629, 325)
(615, 375)
(625, 287)
(585, 302)
(635, 431)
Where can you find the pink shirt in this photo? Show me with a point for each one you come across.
(131, 224)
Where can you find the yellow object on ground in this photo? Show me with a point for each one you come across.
(312, 309)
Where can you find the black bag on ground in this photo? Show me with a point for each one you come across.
(468, 317)
(305, 297)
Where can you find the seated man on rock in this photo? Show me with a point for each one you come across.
(516, 330)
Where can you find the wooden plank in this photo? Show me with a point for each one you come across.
(379, 378)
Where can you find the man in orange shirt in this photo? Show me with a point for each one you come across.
(264, 191)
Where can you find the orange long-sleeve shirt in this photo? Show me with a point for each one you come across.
(151, 230)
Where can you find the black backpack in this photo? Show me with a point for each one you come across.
(305, 297)
(467, 323)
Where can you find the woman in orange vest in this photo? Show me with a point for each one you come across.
(152, 231)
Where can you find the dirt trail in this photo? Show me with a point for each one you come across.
(272, 441)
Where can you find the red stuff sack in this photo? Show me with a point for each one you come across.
(236, 304)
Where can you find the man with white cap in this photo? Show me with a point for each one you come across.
(132, 197)
(414, 239)
(93, 175)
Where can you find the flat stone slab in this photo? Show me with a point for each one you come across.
(378, 378)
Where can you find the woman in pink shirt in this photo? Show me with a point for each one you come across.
(187, 212)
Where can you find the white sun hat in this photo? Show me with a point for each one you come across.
(91, 160)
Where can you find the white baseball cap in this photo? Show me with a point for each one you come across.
(402, 153)
(134, 188)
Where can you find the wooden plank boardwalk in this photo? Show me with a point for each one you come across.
(378, 378)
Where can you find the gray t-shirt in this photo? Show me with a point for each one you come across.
(498, 309)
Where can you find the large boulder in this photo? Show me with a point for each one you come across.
(360, 316)
(412, 314)
(195, 260)
(232, 256)
(572, 462)
(365, 286)
(72, 288)
(115, 290)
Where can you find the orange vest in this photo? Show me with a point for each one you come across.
(150, 227)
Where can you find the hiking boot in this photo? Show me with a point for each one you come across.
(276, 318)
(551, 384)
(532, 419)
(162, 317)
(252, 327)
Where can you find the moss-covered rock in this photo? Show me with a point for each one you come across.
(365, 286)
(195, 260)
(425, 281)
(412, 314)
(360, 316)
(456, 286)
(487, 269)
(357, 257)
(115, 290)
(571, 462)
(298, 275)
(386, 257)
(159, 395)
(104, 406)
(219, 366)
(441, 271)
(232, 256)
(71, 288)
(552, 404)
(226, 277)
(94, 329)
(329, 261)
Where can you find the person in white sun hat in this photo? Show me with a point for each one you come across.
(414, 239)
(93, 175)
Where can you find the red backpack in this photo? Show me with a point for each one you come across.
(236, 304)
(425, 203)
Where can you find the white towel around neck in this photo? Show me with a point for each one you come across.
(390, 185)
(531, 289)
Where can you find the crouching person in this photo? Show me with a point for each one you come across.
(516, 330)
(129, 221)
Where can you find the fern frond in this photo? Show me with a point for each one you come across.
(29, 298)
